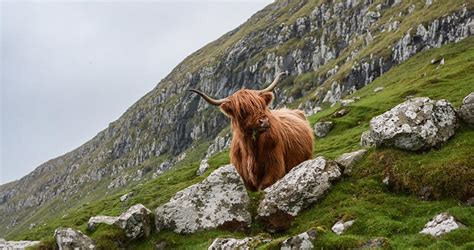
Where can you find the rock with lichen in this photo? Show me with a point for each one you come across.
(219, 201)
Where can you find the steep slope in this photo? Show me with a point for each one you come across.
(394, 214)
(330, 48)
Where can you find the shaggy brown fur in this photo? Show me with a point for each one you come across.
(264, 155)
(266, 144)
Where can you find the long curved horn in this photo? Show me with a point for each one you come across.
(209, 99)
(274, 83)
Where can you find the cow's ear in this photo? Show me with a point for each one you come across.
(227, 109)
(267, 96)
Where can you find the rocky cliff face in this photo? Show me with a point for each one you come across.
(330, 49)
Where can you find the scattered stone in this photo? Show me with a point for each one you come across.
(340, 113)
(300, 241)
(466, 111)
(161, 245)
(321, 129)
(378, 242)
(419, 123)
(428, 3)
(441, 224)
(7, 245)
(203, 166)
(231, 243)
(135, 222)
(301, 187)
(219, 201)
(125, 196)
(426, 193)
(386, 181)
(434, 60)
(470, 201)
(69, 239)
(378, 89)
(346, 103)
(396, 2)
(441, 63)
(220, 143)
(100, 219)
(368, 38)
(366, 139)
(341, 226)
(348, 160)
(32, 225)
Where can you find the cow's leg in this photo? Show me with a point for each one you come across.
(273, 172)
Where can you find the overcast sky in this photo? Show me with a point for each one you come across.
(69, 69)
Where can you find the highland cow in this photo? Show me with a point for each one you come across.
(266, 144)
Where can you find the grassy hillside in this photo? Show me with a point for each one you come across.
(396, 213)
(127, 146)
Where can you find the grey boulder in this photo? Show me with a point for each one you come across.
(341, 226)
(232, 243)
(301, 187)
(348, 160)
(300, 241)
(70, 239)
(419, 123)
(100, 219)
(23, 244)
(321, 129)
(135, 222)
(466, 111)
(441, 224)
(219, 201)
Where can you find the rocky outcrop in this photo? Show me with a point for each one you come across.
(70, 239)
(466, 111)
(341, 226)
(17, 245)
(348, 160)
(135, 222)
(231, 243)
(301, 187)
(441, 224)
(300, 241)
(321, 129)
(219, 201)
(419, 123)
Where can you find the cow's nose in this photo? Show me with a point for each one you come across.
(264, 123)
